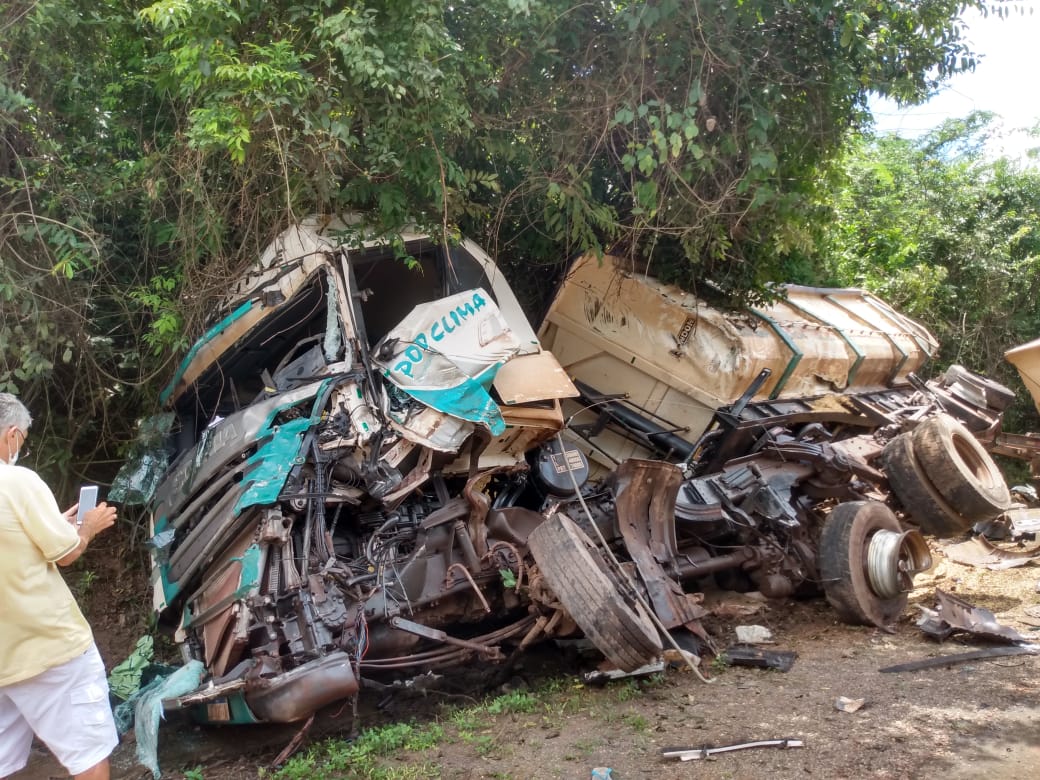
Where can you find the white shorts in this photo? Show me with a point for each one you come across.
(67, 707)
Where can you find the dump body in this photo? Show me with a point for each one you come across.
(678, 360)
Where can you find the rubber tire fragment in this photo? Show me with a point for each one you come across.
(567, 559)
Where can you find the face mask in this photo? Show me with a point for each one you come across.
(11, 459)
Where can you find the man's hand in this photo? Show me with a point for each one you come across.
(95, 521)
(98, 519)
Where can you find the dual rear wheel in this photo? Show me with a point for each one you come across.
(945, 481)
(941, 475)
(944, 478)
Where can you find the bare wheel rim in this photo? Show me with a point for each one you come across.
(893, 559)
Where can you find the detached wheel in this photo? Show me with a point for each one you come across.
(960, 469)
(915, 491)
(576, 572)
(867, 562)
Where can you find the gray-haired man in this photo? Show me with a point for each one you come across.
(52, 679)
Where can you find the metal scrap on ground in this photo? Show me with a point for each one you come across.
(1002, 651)
(953, 615)
(744, 655)
(978, 551)
(691, 754)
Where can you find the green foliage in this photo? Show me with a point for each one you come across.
(693, 125)
(637, 722)
(628, 690)
(691, 133)
(71, 181)
(362, 758)
(515, 701)
(719, 665)
(151, 151)
(165, 332)
(84, 583)
(946, 235)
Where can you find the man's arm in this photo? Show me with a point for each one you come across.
(95, 521)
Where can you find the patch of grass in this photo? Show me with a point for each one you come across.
(301, 767)
(362, 758)
(194, 774)
(370, 756)
(609, 715)
(719, 665)
(425, 738)
(555, 710)
(553, 686)
(628, 691)
(484, 745)
(655, 680)
(465, 718)
(516, 701)
(582, 749)
(636, 722)
(586, 746)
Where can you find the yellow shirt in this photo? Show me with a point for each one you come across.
(40, 624)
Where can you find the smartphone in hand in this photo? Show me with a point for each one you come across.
(88, 495)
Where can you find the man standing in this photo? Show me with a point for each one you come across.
(52, 679)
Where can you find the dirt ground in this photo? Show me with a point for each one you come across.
(954, 722)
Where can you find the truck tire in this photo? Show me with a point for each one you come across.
(576, 572)
(844, 544)
(915, 492)
(960, 469)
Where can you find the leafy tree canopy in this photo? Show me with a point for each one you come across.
(150, 149)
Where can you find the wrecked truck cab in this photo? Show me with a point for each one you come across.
(310, 307)
(357, 490)
(354, 455)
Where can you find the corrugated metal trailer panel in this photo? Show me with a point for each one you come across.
(679, 358)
